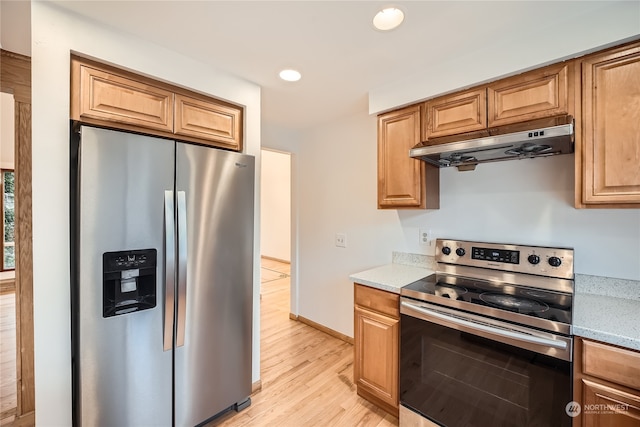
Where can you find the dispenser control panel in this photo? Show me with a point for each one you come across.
(117, 261)
(128, 281)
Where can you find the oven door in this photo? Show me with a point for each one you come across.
(459, 369)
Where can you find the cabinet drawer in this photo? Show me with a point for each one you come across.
(611, 363)
(377, 300)
(113, 98)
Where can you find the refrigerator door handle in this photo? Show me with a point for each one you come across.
(169, 269)
(182, 268)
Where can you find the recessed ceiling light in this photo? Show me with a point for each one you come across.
(388, 18)
(290, 75)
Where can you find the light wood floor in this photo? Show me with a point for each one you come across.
(307, 375)
(8, 396)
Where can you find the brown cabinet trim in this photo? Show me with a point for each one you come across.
(15, 77)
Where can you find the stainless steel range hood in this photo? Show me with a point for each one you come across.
(466, 154)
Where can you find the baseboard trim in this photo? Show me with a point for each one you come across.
(322, 328)
(257, 386)
(275, 259)
(26, 420)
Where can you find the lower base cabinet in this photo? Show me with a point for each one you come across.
(607, 385)
(377, 345)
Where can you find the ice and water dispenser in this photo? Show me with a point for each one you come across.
(129, 281)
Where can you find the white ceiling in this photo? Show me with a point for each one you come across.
(341, 56)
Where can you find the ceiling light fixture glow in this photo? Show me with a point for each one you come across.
(290, 75)
(388, 18)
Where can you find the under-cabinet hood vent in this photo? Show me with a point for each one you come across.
(466, 154)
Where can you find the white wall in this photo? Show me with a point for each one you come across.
(525, 201)
(54, 34)
(275, 211)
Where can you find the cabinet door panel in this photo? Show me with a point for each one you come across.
(376, 355)
(460, 113)
(113, 98)
(403, 181)
(611, 120)
(529, 96)
(603, 406)
(209, 121)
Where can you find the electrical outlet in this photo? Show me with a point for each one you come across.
(425, 237)
(341, 240)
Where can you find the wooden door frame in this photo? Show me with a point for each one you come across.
(15, 78)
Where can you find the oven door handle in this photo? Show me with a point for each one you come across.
(487, 329)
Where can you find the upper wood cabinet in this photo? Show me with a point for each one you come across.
(608, 153)
(107, 96)
(453, 114)
(112, 98)
(533, 95)
(206, 120)
(404, 182)
(537, 94)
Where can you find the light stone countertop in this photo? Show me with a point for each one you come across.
(390, 277)
(607, 310)
(604, 309)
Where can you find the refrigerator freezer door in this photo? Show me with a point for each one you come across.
(213, 368)
(122, 375)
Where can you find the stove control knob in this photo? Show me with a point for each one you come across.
(554, 261)
(533, 259)
(446, 250)
(460, 252)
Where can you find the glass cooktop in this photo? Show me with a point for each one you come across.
(499, 300)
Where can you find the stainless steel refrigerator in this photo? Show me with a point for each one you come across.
(162, 279)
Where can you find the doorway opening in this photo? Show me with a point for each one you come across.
(275, 230)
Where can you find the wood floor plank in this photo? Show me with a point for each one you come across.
(8, 384)
(306, 374)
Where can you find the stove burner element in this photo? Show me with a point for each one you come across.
(450, 291)
(513, 303)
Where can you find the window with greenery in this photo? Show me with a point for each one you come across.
(8, 220)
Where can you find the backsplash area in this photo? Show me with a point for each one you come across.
(607, 286)
(414, 260)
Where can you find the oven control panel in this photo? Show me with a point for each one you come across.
(539, 260)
